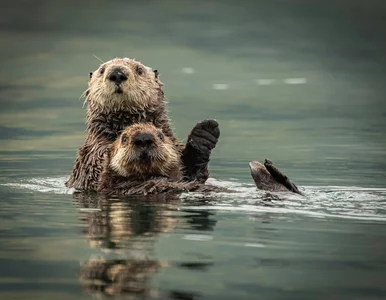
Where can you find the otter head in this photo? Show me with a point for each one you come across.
(143, 151)
(123, 84)
(263, 179)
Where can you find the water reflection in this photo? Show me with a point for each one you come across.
(119, 223)
(114, 277)
(200, 220)
(126, 230)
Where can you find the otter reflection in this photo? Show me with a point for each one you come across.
(126, 231)
(115, 277)
(117, 223)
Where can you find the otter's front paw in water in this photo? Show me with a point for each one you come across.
(196, 155)
(204, 135)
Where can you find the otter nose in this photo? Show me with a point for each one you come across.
(144, 140)
(117, 76)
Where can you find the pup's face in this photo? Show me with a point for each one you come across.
(143, 150)
(123, 84)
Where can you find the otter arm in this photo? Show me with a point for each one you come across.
(280, 177)
(87, 167)
(196, 154)
(157, 185)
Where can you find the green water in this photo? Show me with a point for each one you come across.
(232, 61)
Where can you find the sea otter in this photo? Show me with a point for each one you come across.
(122, 92)
(145, 161)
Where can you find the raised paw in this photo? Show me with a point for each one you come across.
(204, 135)
(196, 154)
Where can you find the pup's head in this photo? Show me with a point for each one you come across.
(143, 150)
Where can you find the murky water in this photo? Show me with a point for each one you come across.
(298, 82)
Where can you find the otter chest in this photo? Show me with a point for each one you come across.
(111, 125)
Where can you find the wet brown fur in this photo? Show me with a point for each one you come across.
(140, 99)
(110, 109)
(124, 173)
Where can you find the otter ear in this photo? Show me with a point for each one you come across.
(156, 73)
(124, 139)
(90, 74)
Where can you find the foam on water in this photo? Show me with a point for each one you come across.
(348, 202)
(54, 185)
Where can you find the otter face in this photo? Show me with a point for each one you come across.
(143, 150)
(123, 84)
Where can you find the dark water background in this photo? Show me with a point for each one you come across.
(300, 82)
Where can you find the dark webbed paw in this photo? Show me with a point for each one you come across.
(280, 177)
(204, 135)
(196, 155)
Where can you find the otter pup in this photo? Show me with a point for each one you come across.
(145, 161)
(122, 92)
(142, 161)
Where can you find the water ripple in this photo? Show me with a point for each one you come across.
(349, 202)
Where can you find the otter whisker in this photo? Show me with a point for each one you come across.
(98, 59)
(132, 157)
(158, 157)
(84, 93)
(86, 96)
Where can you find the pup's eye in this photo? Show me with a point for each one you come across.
(124, 139)
(156, 73)
(139, 70)
(102, 70)
(161, 136)
(90, 74)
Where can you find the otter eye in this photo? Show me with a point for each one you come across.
(139, 70)
(124, 139)
(102, 70)
(90, 74)
(156, 73)
(161, 136)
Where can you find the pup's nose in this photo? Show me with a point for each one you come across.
(117, 76)
(143, 140)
